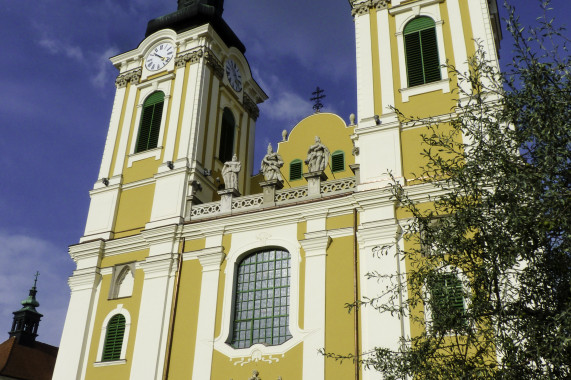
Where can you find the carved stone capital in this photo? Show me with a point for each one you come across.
(214, 63)
(131, 76)
(251, 107)
(363, 8)
(191, 56)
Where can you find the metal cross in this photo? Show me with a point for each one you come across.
(36, 280)
(317, 96)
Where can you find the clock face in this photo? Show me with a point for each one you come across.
(234, 76)
(159, 56)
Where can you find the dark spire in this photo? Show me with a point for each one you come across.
(27, 319)
(193, 13)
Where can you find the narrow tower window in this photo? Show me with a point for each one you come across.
(295, 170)
(150, 122)
(421, 51)
(114, 338)
(262, 299)
(337, 161)
(226, 136)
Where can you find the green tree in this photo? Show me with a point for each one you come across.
(490, 279)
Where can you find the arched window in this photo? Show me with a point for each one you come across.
(124, 283)
(337, 161)
(421, 51)
(226, 136)
(261, 307)
(447, 307)
(114, 338)
(295, 168)
(150, 122)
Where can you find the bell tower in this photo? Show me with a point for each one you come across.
(27, 319)
(185, 103)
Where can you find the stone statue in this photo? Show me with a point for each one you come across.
(230, 173)
(317, 156)
(271, 164)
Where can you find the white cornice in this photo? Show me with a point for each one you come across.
(409, 6)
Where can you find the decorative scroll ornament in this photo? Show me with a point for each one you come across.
(131, 76)
(251, 107)
(191, 56)
(214, 63)
(256, 357)
(363, 7)
(255, 376)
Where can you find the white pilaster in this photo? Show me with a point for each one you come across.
(193, 98)
(385, 61)
(125, 128)
(458, 44)
(174, 114)
(102, 209)
(315, 247)
(170, 195)
(84, 285)
(365, 95)
(105, 168)
(210, 259)
(378, 229)
(154, 313)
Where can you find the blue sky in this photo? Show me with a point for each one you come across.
(58, 88)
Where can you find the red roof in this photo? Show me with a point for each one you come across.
(27, 363)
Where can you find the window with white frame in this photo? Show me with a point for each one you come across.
(150, 126)
(114, 336)
(421, 51)
(262, 299)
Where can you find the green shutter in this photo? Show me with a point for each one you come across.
(337, 161)
(295, 170)
(150, 126)
(421, 51)
(447, 301)
(114, 338)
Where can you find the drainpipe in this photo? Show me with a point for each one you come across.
(355, 294)
(173, 313)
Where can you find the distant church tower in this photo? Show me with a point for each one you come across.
(181, 276)
(27, 320)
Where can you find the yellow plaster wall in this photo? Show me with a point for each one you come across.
(186, 321)
(334, 134)
(376, 62)
(194, 245)
(341, 221)
(142, 169)
(339, 327)
(134, 210)
(226, 244)
(104, 307)
(413, 148)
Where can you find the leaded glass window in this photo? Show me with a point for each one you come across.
(261, 312)
(114, 338)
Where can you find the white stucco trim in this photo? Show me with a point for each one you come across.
(118, 310)
(237, 252)
(105, 169)
(385, 61)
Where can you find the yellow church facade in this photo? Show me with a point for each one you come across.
(192, 268)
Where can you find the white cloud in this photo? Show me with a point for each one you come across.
(57, 47)
(104, 71)
(20, 257)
